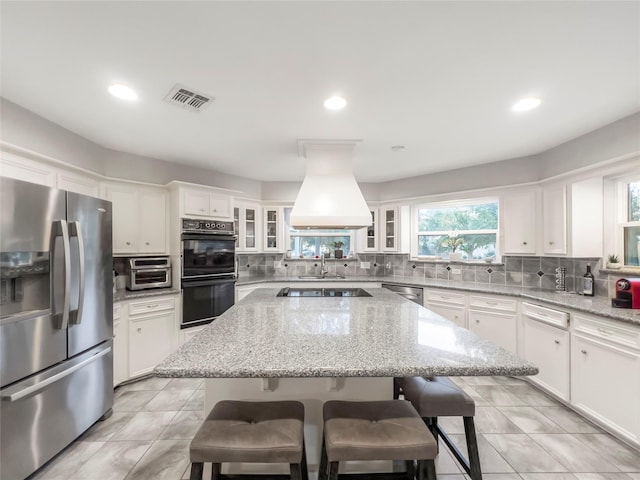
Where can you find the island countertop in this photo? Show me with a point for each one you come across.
(264, 336)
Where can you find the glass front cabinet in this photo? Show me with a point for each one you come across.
(246, 220)
(389, 229)
(370, 234)
(273, 238)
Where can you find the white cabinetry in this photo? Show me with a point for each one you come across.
(546, 344)
(605, 373)
(554, 220)
(586, 220)
(273, 229)
(15, 166)
(139, 219)
(153, 333)
(369, 235)
(205, 204)
(495, 319)
(188, 333)
(120, 344)
(389, 229)
(246, 218)
(519, 222)
(451, 306)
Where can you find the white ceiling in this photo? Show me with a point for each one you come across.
(436, 77)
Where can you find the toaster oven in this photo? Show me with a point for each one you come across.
(148, 272)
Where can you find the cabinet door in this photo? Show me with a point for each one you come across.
(191, 333)
(389, 229)
(498, 327)
(272, 230)
(250, 228)
(548, 348)
(151, 340)
(605, 383)
(220, 207)
(196, 203)
(519, 217)
(554, 220)
(370, 234)
(153, 222)
(453, 313)
(125, 219)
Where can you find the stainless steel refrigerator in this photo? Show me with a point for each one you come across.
(56, 321)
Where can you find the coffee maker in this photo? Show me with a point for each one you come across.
(627, 293)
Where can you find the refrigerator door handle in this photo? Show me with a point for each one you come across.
(14, 396)
(59, 229)
(75, 230)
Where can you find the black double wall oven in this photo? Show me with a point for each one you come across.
(208, 270)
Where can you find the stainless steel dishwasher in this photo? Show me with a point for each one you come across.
(410, 293)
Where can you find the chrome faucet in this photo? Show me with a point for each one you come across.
(323, 266)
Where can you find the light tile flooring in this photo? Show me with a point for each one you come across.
(523, 435)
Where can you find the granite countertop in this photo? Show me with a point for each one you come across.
(595, 305)
(124, 294)
(384, 335)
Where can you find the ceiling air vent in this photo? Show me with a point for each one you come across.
(188, 98)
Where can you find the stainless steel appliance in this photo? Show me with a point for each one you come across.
(56, 321)
(208, 270)
(322, 292)
(415, 294)
(146, 272)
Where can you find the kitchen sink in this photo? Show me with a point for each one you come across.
(321, 277)
(323, 292)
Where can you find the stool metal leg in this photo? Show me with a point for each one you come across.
(430, 470)
(305, 468)
(322, 471)
(333, 470)
(196, 471)
(472, 448)
(215, 471)
(411, 469)
(296, 474)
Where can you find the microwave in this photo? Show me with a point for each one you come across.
(148, 272)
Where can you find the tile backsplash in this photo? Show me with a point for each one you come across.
(528, 272)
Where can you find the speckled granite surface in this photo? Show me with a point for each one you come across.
(594, 305)
(124, 294)
(380, 336)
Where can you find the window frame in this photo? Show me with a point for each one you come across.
(416, 233)
(315, 233)
(622, 215)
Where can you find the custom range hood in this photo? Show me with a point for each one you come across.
(329, 196)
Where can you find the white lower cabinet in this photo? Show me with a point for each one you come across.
(456, 314)
(153, 333)
(120, 344)
(548, 348)
(189, 333)
(605, 373)
(500, 328)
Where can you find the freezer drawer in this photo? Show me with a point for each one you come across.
(45, 413)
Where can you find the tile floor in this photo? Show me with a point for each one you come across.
(523, 435)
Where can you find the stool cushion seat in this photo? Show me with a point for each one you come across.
(265, 432)
(437, 397)
(377, 430)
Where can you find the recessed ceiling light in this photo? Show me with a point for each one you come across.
(123, 92)
(335, 103)
(525, 104)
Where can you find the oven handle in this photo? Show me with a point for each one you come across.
(212, 276)
(204, 283)
(208, 236)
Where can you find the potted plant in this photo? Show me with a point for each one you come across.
(453, 242)
(613, 262)
(337, 249)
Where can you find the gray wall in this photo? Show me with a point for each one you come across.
(28, 130)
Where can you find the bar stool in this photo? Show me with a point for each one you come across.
(435, 397)
(260, 432)
(377, 430)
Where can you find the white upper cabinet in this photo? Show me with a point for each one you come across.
(389, 226)
(519, 222)
(247, 218)
(369, 235)
(586, 220)
(554, 220)
(201, 203)
(139, 219)
(273, 229)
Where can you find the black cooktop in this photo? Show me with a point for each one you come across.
(323, 292)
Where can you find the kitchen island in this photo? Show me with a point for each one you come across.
(319, 349)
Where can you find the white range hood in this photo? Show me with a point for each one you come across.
(329, 196)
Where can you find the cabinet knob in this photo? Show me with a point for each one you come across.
(557, 342)
(128, 243)
(583, 351)
(550, 243)
(456, 317)
(214, 210)
(139, 330)
(524, 243)
(477, 321)
(146, 243)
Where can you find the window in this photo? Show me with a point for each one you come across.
(313, 243)
(630, 221)
(468, 228)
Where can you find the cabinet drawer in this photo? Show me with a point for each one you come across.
(155, 305)
(493, 303)
(550, 316)
(445, 297)
(609, 331)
